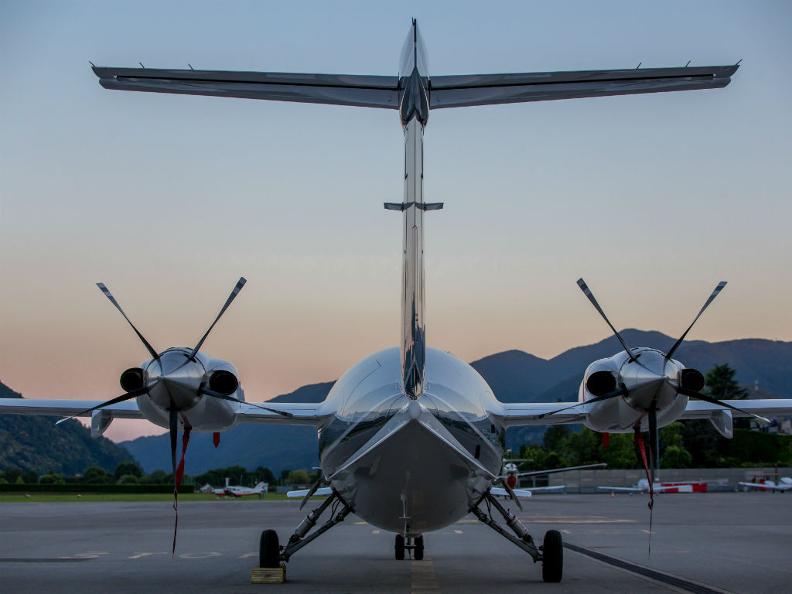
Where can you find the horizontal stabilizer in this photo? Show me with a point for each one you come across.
(400, 206)
(489, 89)
(334, 89)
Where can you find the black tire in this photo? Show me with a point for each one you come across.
(269, 549)
(552, 557)
(418, 551)
(398, 547)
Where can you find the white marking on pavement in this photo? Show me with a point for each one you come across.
(457, 532)
(141, 555)
(198, 555)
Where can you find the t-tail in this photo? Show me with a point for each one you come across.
(413, 94)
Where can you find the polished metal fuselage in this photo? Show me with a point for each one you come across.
(408, 465)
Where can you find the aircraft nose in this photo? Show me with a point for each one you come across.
(175, 378)
(646, 380)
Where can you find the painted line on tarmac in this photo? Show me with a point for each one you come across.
(422, 577)
(653, 574)
(43, 559)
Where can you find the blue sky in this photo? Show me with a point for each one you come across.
(169, 199)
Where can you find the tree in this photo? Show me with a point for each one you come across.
(722, 385)
(128, 467)
(95, 475)
(298, 477)
(53, 478)
(158, 477)
(128, 479)
(262, 473)
(555, 437)
(675, 457)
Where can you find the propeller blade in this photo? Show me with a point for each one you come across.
(173, 427)
(109, 295)
(709, 300)
(116, 400)
(240, 283)
(654, 444)
(711, 400)
(587, 292)
(614, 394)
(213, 394)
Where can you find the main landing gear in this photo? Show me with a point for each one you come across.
(411, 543)
(271, 553)
(550, 553)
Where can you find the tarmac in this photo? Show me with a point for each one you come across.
(716, 542)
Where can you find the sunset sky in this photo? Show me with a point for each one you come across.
(169, 199)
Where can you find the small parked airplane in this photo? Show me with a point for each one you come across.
(411, 438)
(642, 486)
(783, 484)
(236, 491)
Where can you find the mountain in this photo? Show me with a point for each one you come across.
(36, 444)
(514, 376)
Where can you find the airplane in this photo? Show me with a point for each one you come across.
(783, 484)
(411, 438)
(642, 486)
(236, 491)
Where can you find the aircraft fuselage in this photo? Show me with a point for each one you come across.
(408, 465)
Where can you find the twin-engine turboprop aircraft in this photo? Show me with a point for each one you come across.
(411, 438)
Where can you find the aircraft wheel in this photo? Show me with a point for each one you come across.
(418, 551)
(552, 557)
(398, 547)
(269, 549)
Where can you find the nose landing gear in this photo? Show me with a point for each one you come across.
(411, 543)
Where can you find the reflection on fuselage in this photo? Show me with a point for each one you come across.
(414, 479)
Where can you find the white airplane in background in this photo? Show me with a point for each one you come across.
(642, 486)
(236, 491)
(783, 484)
(411, 438)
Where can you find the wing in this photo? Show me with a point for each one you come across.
(622, 489)
(565, 469)
(514, 414)
(697, 409)
(501, 492)
(275, 412)
(553, 489)
(66, 408)
(280, 413)
(320, 492)
(335, 89)
(489, 89)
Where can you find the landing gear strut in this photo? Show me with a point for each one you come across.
(551, 553)
(271, 553)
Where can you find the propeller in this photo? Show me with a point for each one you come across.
(235, 291)
(174, 389)
(711, 400)
(709, 300)
(102, 287)
(587, 292)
